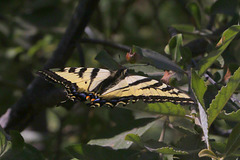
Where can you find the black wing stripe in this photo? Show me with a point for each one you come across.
(94, 73)
(72, 69)
(133, 84)
(155, 85)
(81, 72)
(140, 81)
(111, 81)
(93, 76)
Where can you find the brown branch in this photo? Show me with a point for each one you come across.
(40, 94)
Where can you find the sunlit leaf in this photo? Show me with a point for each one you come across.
(207, 153)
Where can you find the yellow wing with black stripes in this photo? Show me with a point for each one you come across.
(101, 86)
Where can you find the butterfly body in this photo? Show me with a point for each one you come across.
(101, 86)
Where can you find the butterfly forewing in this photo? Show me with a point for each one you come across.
(83, 77)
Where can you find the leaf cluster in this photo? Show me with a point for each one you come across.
(199, 51)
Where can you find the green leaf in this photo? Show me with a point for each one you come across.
(199, 90)
(154, 146)
(233, 141)
(3, 141)
(196, 13)
(106, 60)
(170, 150)
(223, 96)
(233, 116)
(135, 139)
(167, 108)
(173, 47)
(93, 152)
(184, 27)
(227, 37)
(156, 59)
(199, 87)
(117, 141)
(207, 153)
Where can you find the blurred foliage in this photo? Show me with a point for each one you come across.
(31, 30)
